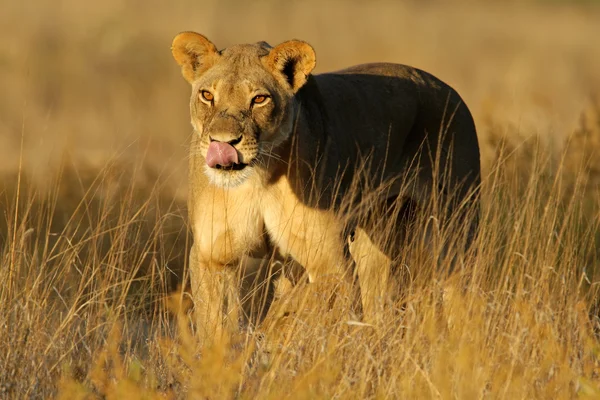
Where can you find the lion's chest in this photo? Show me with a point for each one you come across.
(230, 223)
(227, 224)
(311, 236)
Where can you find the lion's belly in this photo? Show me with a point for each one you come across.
(311, 236)
(227, 225)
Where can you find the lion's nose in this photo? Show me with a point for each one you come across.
(225, 138)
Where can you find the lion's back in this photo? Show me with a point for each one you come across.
(391, 110)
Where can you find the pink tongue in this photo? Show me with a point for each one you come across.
(220, 153)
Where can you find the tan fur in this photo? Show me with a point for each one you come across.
(194, 53)
(368, 256)
(301, 150)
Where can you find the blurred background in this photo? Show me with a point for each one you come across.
(91, 82)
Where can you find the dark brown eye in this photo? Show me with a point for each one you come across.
(206, 95)
(261, 98)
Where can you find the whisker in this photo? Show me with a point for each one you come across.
(272, 155)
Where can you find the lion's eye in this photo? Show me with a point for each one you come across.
(206, 95)
(261, 98)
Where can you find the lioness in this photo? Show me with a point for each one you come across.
(275, 149)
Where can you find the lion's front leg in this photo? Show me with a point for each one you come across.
(330, 279)
(215, 290)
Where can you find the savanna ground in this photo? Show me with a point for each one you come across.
(93, 236)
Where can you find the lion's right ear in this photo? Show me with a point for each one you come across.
(194, 53)
(292, 62)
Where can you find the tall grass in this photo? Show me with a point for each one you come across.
(92, 250)
(85, 312)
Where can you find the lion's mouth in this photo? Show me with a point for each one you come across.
(223, 156)
(231, 167)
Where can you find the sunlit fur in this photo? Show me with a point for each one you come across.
(231, 115)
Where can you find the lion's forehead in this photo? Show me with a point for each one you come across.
(229, 77)
(239, 70)
(250, 51)
(233, 83)
(234, 88)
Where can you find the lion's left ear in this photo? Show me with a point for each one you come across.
(292, 62)
(194, 53)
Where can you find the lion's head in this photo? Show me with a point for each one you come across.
(243, 100)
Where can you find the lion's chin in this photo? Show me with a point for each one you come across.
(228, 178)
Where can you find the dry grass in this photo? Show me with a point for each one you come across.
(93, 238)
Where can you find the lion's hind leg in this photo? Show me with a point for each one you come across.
(373, 270)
